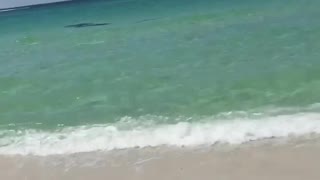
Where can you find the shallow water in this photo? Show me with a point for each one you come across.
(157, 64)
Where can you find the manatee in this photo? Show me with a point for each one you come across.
(81, 25)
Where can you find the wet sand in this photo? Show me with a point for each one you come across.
(291, 161)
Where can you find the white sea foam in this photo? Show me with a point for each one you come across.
(110, 137)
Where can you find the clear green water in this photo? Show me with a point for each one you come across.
(169, 58)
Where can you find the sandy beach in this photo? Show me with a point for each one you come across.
(290, 161)
(159, 90)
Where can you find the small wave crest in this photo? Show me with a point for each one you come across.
(13, 9)
(110, 137)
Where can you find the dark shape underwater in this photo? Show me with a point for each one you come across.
(81, 25)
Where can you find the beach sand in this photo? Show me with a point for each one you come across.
(289, 161)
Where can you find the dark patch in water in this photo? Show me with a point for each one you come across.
(81, 25)
(145, 20)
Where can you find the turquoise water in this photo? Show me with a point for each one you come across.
(158, 63)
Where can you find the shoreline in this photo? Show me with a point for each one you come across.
(24, 5)
(270, 159)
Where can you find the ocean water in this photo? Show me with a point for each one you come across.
(170, 72)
